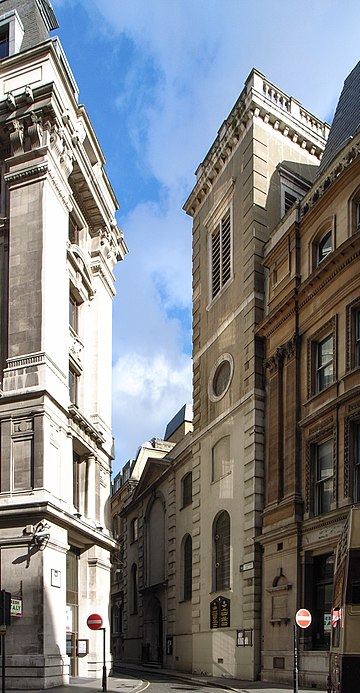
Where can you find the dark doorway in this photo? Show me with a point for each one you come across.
(154, 631)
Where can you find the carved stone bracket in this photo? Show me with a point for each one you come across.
(35, 131)
(16, 136)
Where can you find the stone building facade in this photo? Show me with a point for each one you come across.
(312, 338)
(206, 603)
(264, 158)
(59, 242)
(152, 571)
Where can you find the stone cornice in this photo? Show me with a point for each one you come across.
(259, 100)
(76, 415)
(98, 267)
(346, 157)
(31, 172)
(307, 290)
(346, 253)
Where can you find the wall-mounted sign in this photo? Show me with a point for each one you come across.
(220, 613)
(82, 647)
(16, 608)
(244, 638)
(55, 578)
(246, 566)
(169, 644)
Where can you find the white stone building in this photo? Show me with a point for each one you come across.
(59, 242)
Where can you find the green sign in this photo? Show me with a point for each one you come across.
(16, 607)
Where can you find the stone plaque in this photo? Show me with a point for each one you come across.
(220, 613)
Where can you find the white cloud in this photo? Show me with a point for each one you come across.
(148, 392)
(185, 67)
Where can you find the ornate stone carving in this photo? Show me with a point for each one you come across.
(16, 136)
(272, 363)
(349, 156)
(56, 140)
(66, 161)
(35, 131)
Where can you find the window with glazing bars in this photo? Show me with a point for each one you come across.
(187, 489)
(357, 337)
(324, 477)
(187, 567)
(357, 463)
(324, 366)
(222, 551)
(221, 254)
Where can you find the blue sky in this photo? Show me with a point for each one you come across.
(158, 77)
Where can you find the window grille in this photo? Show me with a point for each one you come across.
(221, 255)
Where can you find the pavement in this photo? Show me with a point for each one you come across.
(131, 679)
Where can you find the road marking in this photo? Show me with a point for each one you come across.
(144, 689)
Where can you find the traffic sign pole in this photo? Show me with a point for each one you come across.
(95, 622)
(104, 662)
(296, 666)
(303, 620)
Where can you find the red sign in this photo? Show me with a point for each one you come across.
(303, 618)
(94, 621)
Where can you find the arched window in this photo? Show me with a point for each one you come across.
(134, 529)
(134, 590)
(220, 462)
(186, 484)
(116, 618)
(187, 567)
(324, 246)
(221, 535)
(156, 541)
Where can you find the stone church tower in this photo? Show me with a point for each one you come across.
(263, 159)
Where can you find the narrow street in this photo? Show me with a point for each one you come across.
(158, 683)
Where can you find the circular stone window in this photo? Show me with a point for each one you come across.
(220, 377)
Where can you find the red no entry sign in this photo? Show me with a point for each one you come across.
(303, 618)
(94, 621)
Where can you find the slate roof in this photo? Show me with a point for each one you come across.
(185, 414)
(346, 121)
(37, 17)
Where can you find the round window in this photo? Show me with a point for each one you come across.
(220, 377)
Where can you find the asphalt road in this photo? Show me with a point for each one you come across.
(155, 683)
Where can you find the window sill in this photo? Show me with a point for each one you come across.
(314, 395)
(223, 476)
(187, 505)
(221, 590)
(221, 292)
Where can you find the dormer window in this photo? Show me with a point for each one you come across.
(11, 33)
(4, 41)
(293, 187)
(324, 247)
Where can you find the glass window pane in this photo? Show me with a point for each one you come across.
(324, 477)
(357, 338)
(22, 464)
(325, 246)
(325, 369)
(222, 551)
(325, 351)
(188, 567)
(187, 489)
